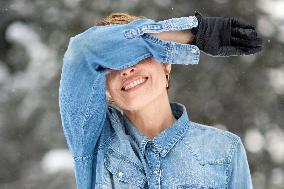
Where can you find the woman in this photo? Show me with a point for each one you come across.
(140, 139)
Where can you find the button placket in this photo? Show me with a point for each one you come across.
(157, 172)
(153, 159)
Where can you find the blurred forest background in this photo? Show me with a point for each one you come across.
(244, 95)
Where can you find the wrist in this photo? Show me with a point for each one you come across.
(180, 36)
(189, 36)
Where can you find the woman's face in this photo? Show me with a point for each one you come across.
(136, 86)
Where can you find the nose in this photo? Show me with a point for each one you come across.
(127, 71)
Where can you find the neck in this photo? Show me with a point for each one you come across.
(154, 117)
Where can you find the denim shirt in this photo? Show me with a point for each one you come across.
(108, 150)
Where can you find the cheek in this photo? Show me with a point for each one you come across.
(110, 84)
(159, 80)
(111, 87)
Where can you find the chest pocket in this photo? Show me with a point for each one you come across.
(124, 173)
(203, 176)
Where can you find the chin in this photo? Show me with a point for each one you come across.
(133, 105)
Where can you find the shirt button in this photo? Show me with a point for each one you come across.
(193, 50)
(164, 151)
(120, 174)
(152, 145)
(156, 172)
(140, 182)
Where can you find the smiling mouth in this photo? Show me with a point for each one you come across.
(133, 87)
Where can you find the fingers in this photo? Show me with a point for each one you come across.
(246, 42)
(235, 22)
(244, 38)
(244, 33)
(236, 51)
(247, 51)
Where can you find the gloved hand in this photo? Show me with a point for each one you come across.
(219, 36)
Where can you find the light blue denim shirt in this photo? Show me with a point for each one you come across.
(108, 151)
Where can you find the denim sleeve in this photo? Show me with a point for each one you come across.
(82, 100)
(240, 173)
(83, 107)
(119, 46)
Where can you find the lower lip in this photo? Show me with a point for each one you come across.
(136, 87)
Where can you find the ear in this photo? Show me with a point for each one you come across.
(167, 67)
(108, 94)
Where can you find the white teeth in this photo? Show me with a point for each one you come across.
(134, 83)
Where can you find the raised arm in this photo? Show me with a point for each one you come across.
(83, 107)
(81, 99)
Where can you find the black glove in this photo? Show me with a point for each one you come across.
(220, 36)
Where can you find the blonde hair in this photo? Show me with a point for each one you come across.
(118, 18)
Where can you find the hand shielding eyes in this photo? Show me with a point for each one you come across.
(221, 36)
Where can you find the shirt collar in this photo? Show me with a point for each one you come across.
(168, 137)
